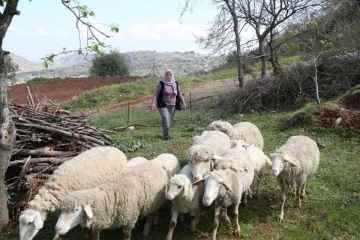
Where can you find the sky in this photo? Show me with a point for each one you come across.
(46, 26)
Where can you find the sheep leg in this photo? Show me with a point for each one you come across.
(149, 220)
(95, 234)
(259, 179)
(236, 218)
(246, 193)
(303, 191)
(126, 232)
(298, 199)
(56, 237)
(283, 198)
(224, 217)
(216, 220)
(193, 222)
(197, 216)
(173, 222)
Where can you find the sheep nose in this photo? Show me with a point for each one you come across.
(274, 172)
(206, 200)
(196, 178)
(168, 196)
(58, 229)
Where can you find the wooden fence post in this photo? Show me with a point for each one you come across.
(128, 114)
(190, 107)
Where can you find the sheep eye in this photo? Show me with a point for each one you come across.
(29, 223)
(179, 187)
(207, 160)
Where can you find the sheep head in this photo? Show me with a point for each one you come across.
(30, 222)
(279, 163)
(178, 184)
(216, 186)
(200, 160)
(70, 219)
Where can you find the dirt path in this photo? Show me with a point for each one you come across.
(198, 93)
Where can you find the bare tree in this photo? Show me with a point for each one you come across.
(266, 15)
(7, 128)
(224, 33)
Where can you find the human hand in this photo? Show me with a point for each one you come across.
(184, 106)
(153, 106)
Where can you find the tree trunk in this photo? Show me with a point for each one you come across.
(238, 56)
(263, 58)
(7, 128)
(7, 139)
(237, 40)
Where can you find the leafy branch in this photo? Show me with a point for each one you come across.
(93, 43)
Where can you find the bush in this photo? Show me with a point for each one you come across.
(109, 64)
(294, 85)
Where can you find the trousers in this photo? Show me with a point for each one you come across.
(167, 115)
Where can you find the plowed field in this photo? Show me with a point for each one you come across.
(62, 90)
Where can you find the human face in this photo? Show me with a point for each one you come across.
(168, 76)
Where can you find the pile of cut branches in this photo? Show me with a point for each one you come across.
(45, 139)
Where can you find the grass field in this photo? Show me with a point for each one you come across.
(331, 209)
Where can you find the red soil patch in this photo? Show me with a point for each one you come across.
(328, 113)
(62, 90)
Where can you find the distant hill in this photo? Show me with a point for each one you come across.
(24, 64)
(140, 63)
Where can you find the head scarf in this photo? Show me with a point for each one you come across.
(172, 80)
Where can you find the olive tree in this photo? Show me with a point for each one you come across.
(224, 34)
(265, 16)
(109, 64)
(7, 127)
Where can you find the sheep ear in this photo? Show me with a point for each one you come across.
(287, 159)
(88, 211)
(226, 187)
(199, 182)
(186, 189)
(272, 155)
(38, 222)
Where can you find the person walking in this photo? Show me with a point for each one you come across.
(168, 99)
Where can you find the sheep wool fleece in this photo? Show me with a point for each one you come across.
(122, 199)
(86, 170)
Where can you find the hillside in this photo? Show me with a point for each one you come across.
(140, 64)
(24, 64)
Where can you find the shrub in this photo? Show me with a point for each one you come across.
(294, 85)
(109, 64)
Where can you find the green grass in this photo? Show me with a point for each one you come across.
(282, 61)
(42, 80)
(125, 92)
(331, 209)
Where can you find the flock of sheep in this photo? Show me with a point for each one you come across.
(100, 189)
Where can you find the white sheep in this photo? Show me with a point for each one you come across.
(246, 131)
(293, 163)
(169, 162)
(203, 150)
(258, 158)
(134, 162)
(118, 202)
(185, 198)
(86, 170)
(232, 177)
